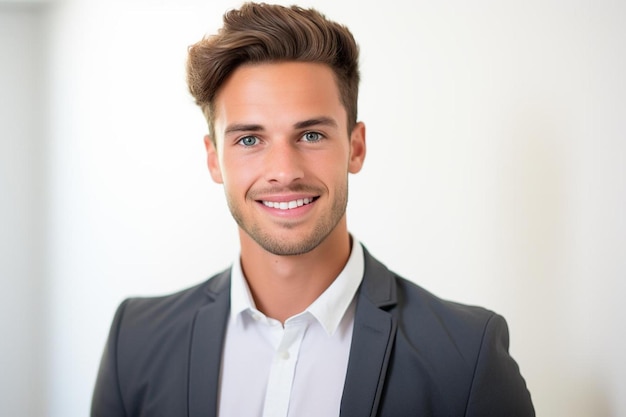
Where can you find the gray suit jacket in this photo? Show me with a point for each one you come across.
(412, 354)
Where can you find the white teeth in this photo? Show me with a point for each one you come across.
(288, 205)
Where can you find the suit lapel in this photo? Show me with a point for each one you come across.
(206, 348)
(372, 340)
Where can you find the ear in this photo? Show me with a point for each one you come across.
(212, 160)
(357, 148)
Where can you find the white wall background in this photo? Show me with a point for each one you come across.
(22, 284)
(495, 176)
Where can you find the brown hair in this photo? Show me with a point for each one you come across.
(258, 33)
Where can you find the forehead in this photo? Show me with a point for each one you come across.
(275, 93)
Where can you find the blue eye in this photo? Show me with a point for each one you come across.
(312, 137)
(249, 140)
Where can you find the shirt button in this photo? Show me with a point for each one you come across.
(284, 355)
(256, 316)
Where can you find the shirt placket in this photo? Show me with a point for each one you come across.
(283, 368)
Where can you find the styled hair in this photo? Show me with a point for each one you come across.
(261, 33)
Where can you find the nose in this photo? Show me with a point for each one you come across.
(283, 163)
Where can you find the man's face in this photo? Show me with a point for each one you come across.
(283, 153)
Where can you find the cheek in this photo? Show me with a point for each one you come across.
(334, 171)
(237, 175)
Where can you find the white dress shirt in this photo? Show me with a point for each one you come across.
(297, 370)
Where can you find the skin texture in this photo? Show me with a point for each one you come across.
(281, 136)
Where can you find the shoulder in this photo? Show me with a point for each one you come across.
(415, 302)
(407, 300)
(146, 326)
(452, 356)
(187, 298)
(464, 349)
(437, 328)
(148, 350)
(140, 316)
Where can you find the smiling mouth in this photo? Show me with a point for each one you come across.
(289, 205)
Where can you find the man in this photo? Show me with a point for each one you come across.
(306, 322)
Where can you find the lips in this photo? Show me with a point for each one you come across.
(288, 205)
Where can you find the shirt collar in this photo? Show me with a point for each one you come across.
(329, 308)
(240, 297)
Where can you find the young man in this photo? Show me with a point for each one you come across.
(306, 322)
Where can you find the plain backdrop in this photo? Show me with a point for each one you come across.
(495, 176)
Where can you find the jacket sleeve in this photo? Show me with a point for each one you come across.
(107, 398)
(498, 388)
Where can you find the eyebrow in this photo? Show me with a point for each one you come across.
(318, 121)
(242, 127)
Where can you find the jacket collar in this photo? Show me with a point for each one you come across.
(205, 352)
(378, 286)
(372, 340)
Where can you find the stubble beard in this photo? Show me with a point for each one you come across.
(272, 243)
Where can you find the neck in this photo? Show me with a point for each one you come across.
(283, 286)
